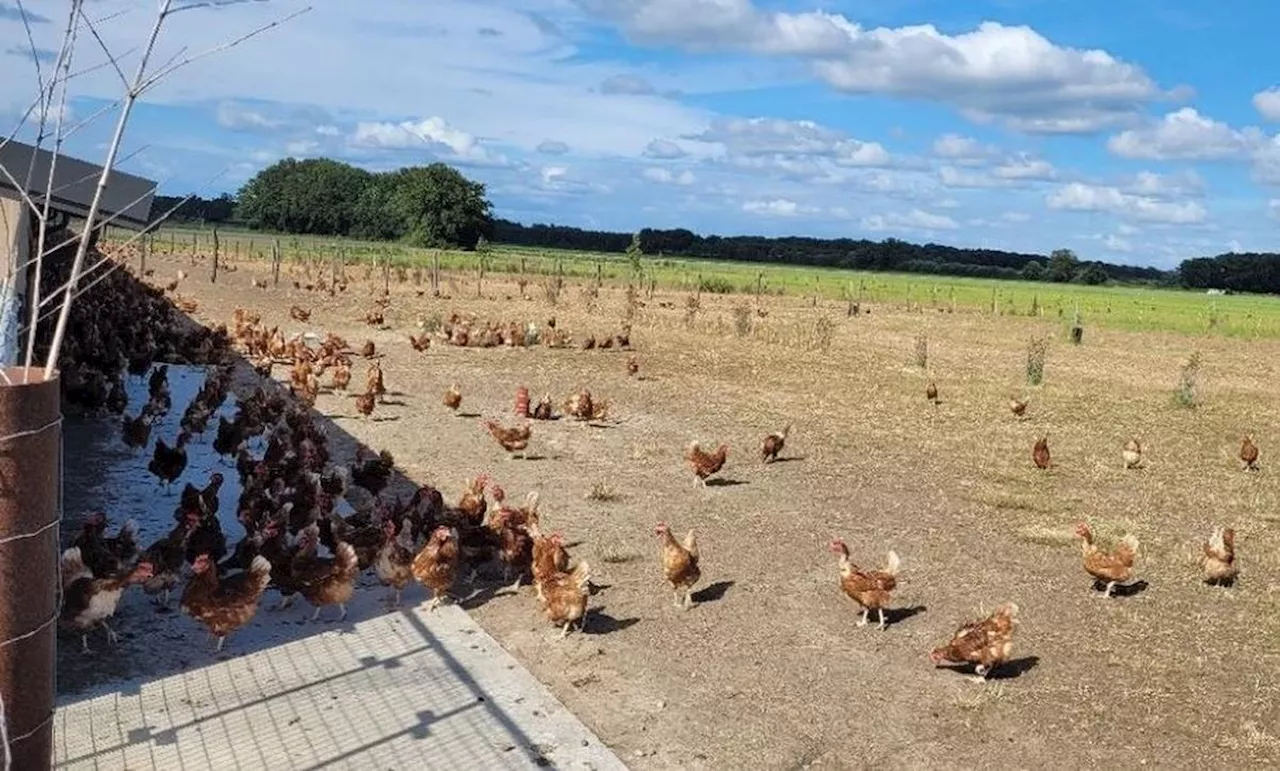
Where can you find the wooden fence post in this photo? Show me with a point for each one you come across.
(213, 277)
(435, 274)
(275, 262)
(142, 262)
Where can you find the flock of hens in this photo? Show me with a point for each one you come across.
(288, 506)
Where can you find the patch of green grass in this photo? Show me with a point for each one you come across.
(1128, 308)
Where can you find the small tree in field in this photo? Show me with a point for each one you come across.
(634, 253)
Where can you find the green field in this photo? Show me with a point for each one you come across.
(1116, 307)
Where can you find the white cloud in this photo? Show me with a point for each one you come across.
(666, 176)
(664, 149)
(950, 176)
(994, 71)
(433, 133)
(552, 147)
(1182, 184)
(1015, 216)
(239, 117)
(550, 174)
(777, 207)
(1273, 208)
(367, 63)
(913, 220)
(1080, 197)
(765, 137)
(1183, 134)
(961, 149)
(1025, 167)
(1267, 103)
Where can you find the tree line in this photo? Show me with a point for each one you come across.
(436, 206)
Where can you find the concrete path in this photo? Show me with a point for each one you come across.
(403, 690)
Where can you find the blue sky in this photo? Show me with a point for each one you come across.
(1142, 132)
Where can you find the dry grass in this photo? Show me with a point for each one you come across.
(952, 488)
(603, 493)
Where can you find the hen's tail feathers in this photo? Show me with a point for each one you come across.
(1130, 541)
(347, 564)
(783, 433)
(690, 543)
(692, 449)
(260, 573)
(1217, 541)
(73, 567)
(581, 575)
(892, 564)
(1009, 609)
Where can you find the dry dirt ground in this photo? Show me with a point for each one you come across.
(769, 669)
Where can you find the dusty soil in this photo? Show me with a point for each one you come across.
(769, 669)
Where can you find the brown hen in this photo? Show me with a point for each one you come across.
(679, 564)
(1115, 567)
(986, 644)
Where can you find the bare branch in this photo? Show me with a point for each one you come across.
(100, 65)
(97, 114)
(93, 30)
(77, 264)
(156, 223)
(63, 65)
(165, 72)
(31, 41)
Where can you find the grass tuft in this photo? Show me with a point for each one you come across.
(922, 351)
(1187, 394)
(603, 493)
(1037, 354)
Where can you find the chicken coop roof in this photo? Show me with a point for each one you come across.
(127, 197)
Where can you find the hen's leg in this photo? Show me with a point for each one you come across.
(519, 580)
(863, 621)
(881, 612)
(435, 601)
(565, 632)
(981, 672)
(688, 598)
(342, 606)
(316, 615)
(84, 643)
(1110, 586)
(221, 639)
(112, 637)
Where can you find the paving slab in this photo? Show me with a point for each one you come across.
(406, 689)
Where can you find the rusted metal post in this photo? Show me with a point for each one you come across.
(30, 488)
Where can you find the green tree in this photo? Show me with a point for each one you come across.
(634, 253)
(1092, 275)
(437, 206)
(1063, 265)
(374, 218)
(317, 196)
(1034, 271)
